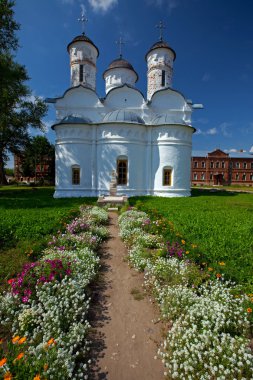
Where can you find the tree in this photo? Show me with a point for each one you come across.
(38, 152)
(17, 111)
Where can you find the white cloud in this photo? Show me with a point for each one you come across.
(102, 5)
(251, 149)
(206, 77)
(83, 9)
(212, 131)
(224, 127)
(171, 4)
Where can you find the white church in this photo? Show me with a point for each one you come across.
(146, 141)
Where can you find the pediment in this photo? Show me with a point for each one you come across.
(217, 153)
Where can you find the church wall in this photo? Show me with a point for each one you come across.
(73, 149)
(117, 141)
(171, 148)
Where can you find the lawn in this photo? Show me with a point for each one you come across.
(28, 217)
(219, 223)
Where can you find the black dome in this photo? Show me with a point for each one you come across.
(161, 44)
(82, 38)
(120, 63)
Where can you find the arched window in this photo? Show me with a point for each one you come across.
(75, 175)
(167, 176)
(122, 170)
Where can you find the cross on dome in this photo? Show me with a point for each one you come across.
(161, 26)
(120, 42)
(83, 20)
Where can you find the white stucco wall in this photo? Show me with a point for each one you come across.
(83, 54)
(117, 77)
(158, 60)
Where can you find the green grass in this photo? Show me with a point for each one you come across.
(220, 224)
(28, 217)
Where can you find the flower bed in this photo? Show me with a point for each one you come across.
(46, 309)
(210, 320)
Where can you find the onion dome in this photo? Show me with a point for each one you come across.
(161, 45)
(120, 63)
(82, 38)
(123, 116)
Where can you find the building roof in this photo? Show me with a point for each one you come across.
(204, 153)
(82, 38)
(73, 119)
(124, 116)
(120, 63)
(161, 44)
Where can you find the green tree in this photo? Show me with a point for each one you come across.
(17, 111)
(38, 151)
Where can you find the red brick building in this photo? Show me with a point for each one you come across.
(220, 168)
(42, 170)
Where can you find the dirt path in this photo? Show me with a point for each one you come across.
(125, 339)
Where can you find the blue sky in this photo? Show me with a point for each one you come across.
(213, 40)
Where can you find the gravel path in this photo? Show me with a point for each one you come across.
(125, 339)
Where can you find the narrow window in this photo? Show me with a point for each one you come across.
(211, 176)
(237, 165)
(80, 73)
(122, 172)
(237, 177)
(223, 165)
(163, 78)
(217, 164)
(203, 164)
(251, 176)
(211, 164)
(195, 164)
(195, 177)
(167, 177)
(245, 165)
(244, 177)
(203, 176)
(251, 165)
(75, 176)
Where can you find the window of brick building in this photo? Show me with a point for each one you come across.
(203, 176)
(195, 164)
(251, 176)
(203, 164)
(195, 176)
(223, 164)
(211, 164)
(245, 165)
(75, 175)
(211, 176)
(167, 177)
(237, 165)
(244, 177)
(251, 165)
(217, 165)
(122, 171)
(237, 177)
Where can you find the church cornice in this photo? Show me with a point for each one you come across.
(123, 85)
(53, 100)
(166, 89)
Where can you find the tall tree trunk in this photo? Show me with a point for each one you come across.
(3, 180)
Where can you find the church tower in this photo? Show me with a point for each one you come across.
(119, 72)
(83, 58)
(160, 58)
